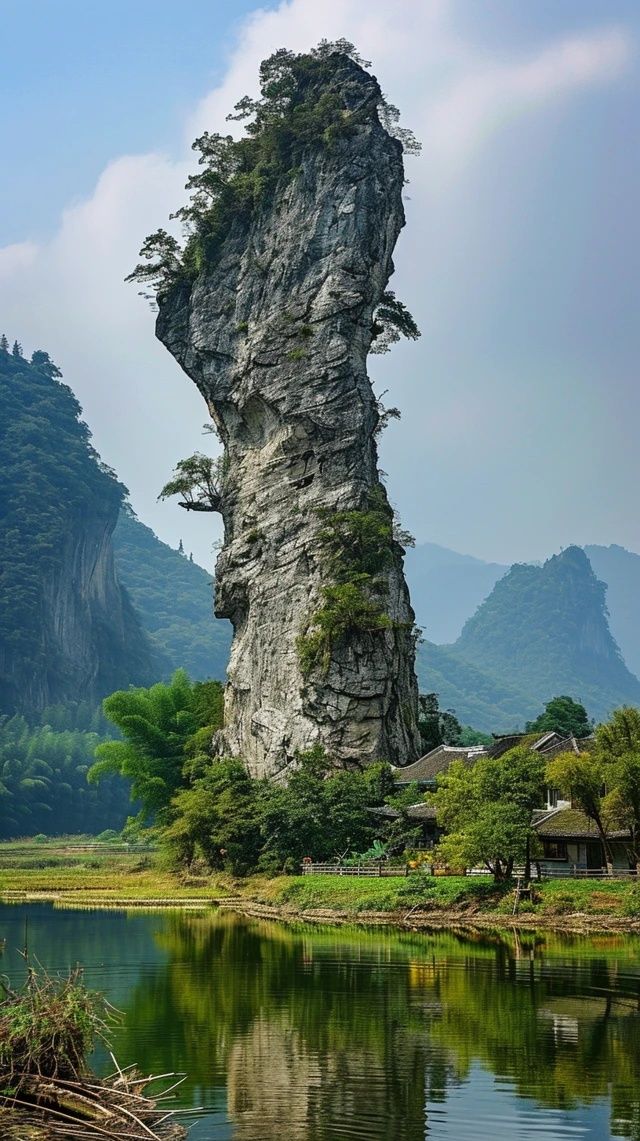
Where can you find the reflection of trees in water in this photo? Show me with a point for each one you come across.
(308, 1028)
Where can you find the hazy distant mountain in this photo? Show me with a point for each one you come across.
(544, 631)
(173, 598)
(447, 588)
(478, 698)
(620, 569)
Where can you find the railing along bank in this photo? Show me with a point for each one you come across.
(380, 868)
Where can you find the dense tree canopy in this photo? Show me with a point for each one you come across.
(163, 727)
(486, 810)
(618, 754)
(243, 824)
(562, 715)
(43, 776)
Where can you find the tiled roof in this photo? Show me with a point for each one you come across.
(385, 811)
(435, 762)
(421, 811)
(566, 745)
(501, 745)
(570, 823)
(537, 742)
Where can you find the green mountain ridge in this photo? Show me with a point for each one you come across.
(68, 631)
(544, 630)
(173, 598)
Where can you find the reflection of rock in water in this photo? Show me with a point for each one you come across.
(270, 1078)
(278, 1087)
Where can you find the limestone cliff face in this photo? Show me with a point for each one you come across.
(90, 641)
(67, 629)
(275, 334)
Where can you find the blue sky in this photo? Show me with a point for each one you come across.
(93, 80)
(519, 259)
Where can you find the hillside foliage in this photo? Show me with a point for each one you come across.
(54, 493)
(173, 597)
(544, 630)
(43, 776)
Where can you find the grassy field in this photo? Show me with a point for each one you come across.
(101, 872)
(107, 874)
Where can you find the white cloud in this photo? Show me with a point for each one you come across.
(68, 294)
(486, 95)
(15, 258)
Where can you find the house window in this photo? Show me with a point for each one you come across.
(555, 849)
(552, 798)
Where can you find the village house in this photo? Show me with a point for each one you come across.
(569, 840)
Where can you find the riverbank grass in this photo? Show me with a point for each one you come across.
(105, 875)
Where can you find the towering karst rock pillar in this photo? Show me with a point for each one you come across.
(271, 313)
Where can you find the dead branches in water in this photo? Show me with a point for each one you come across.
(46, 1090)
(117, 1108)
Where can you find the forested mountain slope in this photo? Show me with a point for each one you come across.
(67, 628)
(174, 600)
(447, 588)
(543, 630)
(43, 775)
(477, 698)
(620, 569)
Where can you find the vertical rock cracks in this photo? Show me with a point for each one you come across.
(275, 330)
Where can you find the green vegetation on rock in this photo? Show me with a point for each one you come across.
(299, 107)
(356, 547)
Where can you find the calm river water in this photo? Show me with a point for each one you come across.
(321, 1034)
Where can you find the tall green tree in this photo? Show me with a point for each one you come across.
(157, 725)
(486, 808)
(562, 715)
(437, 726)
(618, 753)
(580, 776)
(217, 818)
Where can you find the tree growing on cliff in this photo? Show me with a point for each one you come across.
(237, 175)
(198, 479)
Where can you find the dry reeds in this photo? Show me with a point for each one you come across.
(47, 1028)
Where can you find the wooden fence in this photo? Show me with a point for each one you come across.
(367, 869)
(379, 868)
